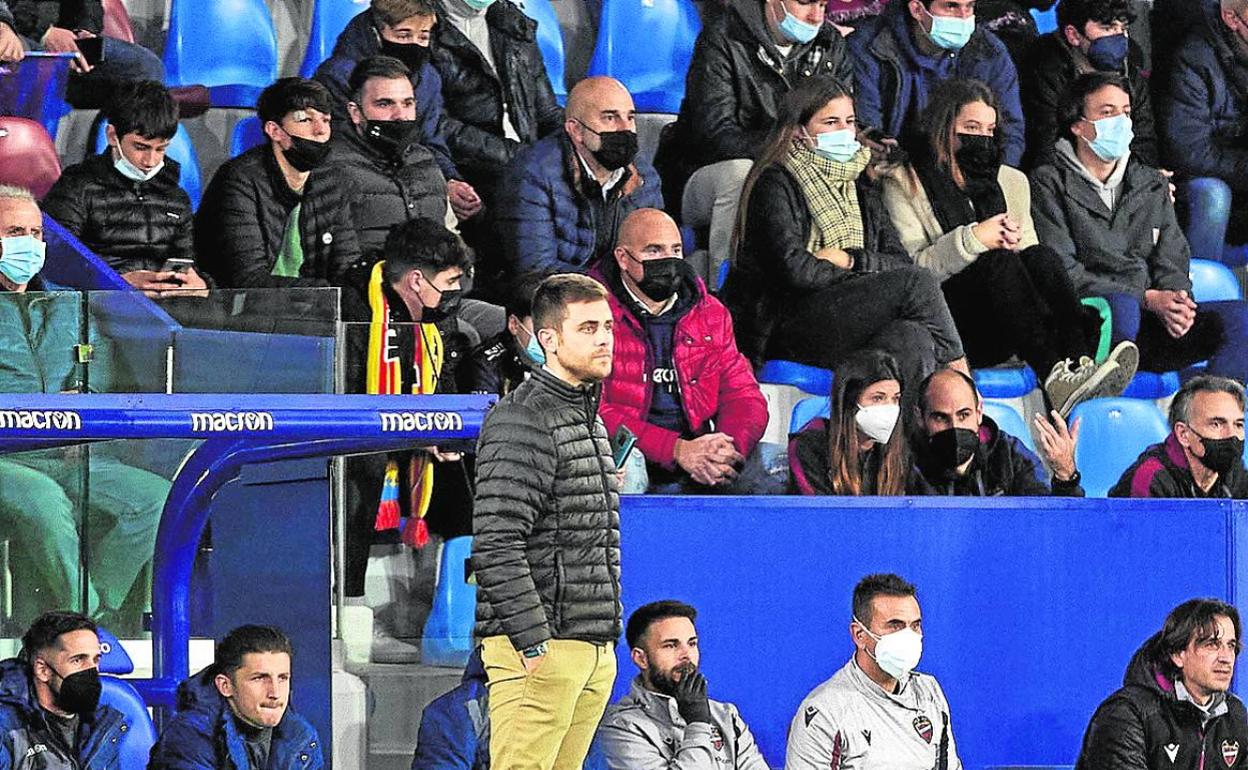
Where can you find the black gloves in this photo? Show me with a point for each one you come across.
(690, 694)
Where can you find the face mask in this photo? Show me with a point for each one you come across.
(447, 306)
(1113, 137)
(978, 156)
(878, 421)
(478, 5)
(1221, 454)
(616, 148)
(21, 257)
(79, 693)
(949, 32)
(659, 277)
(414, 55)
(1108, 53)
(305, 154)
(391, 138)
(795, 29)
(840, 146)
(533, 348)
(897, 653)
(131, 171)
(951, 447)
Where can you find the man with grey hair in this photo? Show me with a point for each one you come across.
(1204, 454)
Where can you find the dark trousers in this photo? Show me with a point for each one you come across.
(1020, 303)
(1218, 335)
(901, 312)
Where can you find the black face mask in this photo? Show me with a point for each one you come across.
(979, 157)
(391, 138)
(414, 55)
(617, 148)
(79, 693)
(659, 277)
(447, 306)
(1221, 454)
(951, 447)
(305, 154)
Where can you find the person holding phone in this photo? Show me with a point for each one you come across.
(126, 204)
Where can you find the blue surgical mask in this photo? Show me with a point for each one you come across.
(840, 146)
(533, 349)
(950, 32)
(1113, 137)
(1108, 53)
(131, 171)
(795, 29)
(21, 257)
(478, 5)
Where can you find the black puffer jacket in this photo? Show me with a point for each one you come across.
(1003, 466)
(473, 95)
(383, 192)
(733, 89)
(773, 266)
(133, 225)
(546, 524)
(1145, 725)
(242, 219)
(35, 16)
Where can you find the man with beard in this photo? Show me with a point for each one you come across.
(667, 720)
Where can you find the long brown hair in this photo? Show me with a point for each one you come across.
(797, 107)
(855, 374)
(939, 122)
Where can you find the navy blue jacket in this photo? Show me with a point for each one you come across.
(1205, 118)
(358, 41)
(23, 727)
(203, 735)
(893, 80)
(455, 727)
(546, 215)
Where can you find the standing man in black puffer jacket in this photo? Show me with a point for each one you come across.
(546, 547)
(1175, 710)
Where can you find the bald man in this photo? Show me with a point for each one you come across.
(964, 453)
(563, 198)
(678, 381)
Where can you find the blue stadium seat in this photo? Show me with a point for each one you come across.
(549, 41)
(809, 379)
(1010, 421)
(113, 657)
(1046, 21)
(247, 133)
(1005, 381)
(1112, 433)
(448, 631)
(136, 743)
(329, 19)
(181, 149)
(1152, 386)
(808, 409)
(228, 45)
(1213, 281)
(647, 45)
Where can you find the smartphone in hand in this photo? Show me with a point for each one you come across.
(622, 444)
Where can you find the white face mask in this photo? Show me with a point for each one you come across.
(897, 653)
(131, 171)
(878, 421)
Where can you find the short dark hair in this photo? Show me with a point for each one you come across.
(391, 12)
(878, 584)
(556, 292)
(1070, 110)
(384, 67)
(1193, 620)
(519, 300)
(48, 628)
(1181, 406)
(424, 245)
(289, 94)
(245, 640)
(1077, 13)
(926, 385)
(648, 614)
(143, 107)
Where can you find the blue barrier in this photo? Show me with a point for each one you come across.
(35, 88)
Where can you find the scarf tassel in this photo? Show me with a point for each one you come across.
(388, 513)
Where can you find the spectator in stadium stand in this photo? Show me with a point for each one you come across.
(57, 26)
(678, 382)
(1203, 114)
(51, 717)
(561, 206)
(401, 29)
(877, 711)
(1204, 454)
(508, 358)
(1175, 710)
(1091, 36)
(389, 177)
(236, 713)
(962, 452)
(966, 217)
(901, 55)
(546, 495)
(126, 204)
(744, 61)
(1111, 219)
(42, 492)
(667, 719)
(271, 218)
(813, 240)
(861, 449)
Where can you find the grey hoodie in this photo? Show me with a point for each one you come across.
(6, 16)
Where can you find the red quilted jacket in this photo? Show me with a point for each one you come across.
(716, 381)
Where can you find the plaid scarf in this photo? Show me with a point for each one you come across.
(831, 195)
